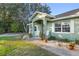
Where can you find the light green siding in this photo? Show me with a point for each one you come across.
(66, 36)
(49, 27)
(76, 24)
(71, 35)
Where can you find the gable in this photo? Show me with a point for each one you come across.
(40, 15)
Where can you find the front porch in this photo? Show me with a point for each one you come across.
(41, 28)
(40, 25)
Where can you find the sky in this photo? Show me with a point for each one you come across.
(58, 8)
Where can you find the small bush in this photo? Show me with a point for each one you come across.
(14, 27)
(52, 38)
(66, 40)
(59, 39)
(30, 34)
(77, 41)
(1, 30)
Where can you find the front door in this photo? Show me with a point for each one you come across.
(36, 31)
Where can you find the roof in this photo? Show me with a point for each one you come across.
(68, 13)
(67, 17)
(37, 12)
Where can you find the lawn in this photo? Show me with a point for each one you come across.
(20, 48)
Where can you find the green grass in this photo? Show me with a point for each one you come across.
(20, 48)
(7, 38)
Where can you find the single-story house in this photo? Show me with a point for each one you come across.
(65, 25)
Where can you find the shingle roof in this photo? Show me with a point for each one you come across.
(72, 12)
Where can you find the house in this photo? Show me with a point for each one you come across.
(65, 25)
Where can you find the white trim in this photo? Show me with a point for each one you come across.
(61, 32)
(53, 27)
(37, 12)
(72, 26)
(29, 23)
(66, 17)
(32, 29)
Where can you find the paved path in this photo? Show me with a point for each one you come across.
(10, 34)
(54, 48)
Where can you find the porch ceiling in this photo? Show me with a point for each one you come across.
(41, 19)
(38, 21)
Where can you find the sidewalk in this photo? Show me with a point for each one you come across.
(54, 48)
(10, 34)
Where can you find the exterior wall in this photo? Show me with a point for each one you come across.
(76, 24)
(49, 27)
(74, 31)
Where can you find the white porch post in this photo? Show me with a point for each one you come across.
(32, 29)
(29, 28)
(44, 27)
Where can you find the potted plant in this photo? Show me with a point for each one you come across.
(59, 44)
(45, 40)
(71, 45)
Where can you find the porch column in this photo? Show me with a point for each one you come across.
(32, 28)
(44, 27)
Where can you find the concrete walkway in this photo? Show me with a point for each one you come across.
(10, 34)
(54, 48)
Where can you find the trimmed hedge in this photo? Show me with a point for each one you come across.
(58, 39)
(77, 41)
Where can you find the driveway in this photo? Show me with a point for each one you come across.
(10, 34)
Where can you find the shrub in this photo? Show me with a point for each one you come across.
(2, 30)
(60, 39)
(71, 45)
(52, 38)
(30, 34)
(77, 41)
(66, 40)
(14, 27)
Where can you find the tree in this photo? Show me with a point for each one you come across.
(14, 27)
(28, 9)
(20, 12)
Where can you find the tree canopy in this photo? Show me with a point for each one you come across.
(19, 12)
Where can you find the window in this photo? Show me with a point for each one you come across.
(65, 27)
(57, 27)
(62, 27)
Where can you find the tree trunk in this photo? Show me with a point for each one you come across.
(24, 27)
